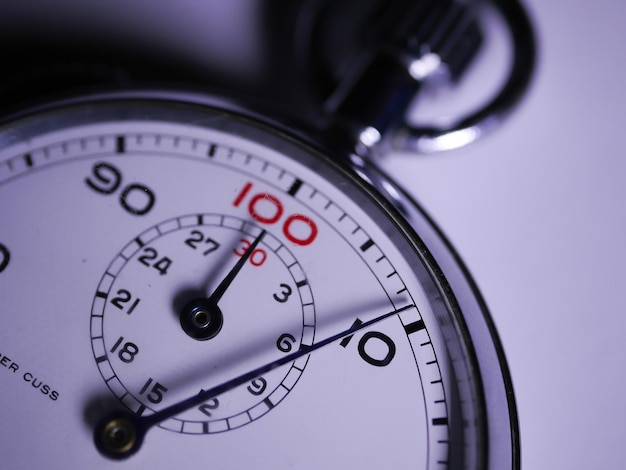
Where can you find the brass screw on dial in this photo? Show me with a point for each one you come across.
(118, 436)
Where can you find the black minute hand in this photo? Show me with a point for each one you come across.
(120, 434)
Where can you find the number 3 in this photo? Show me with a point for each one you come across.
(284, 294)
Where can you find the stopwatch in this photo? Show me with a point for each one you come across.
(187, 283)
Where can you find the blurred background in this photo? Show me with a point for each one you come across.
(536, 210)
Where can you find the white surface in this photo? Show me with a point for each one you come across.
(537, 212)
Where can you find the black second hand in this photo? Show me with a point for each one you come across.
(228, 279)
(130, 423)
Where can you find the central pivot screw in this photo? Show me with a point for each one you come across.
(201, 319)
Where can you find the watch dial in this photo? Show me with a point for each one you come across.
(152, 250)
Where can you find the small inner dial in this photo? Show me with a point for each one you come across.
(159, 335)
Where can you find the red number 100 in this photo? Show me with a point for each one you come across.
(266, 208)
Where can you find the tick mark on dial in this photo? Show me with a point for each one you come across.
(414, 327)
(295, 187)
(120, 144)
(212, 149)
(367, 245)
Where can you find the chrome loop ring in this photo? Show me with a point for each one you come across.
(469, 128)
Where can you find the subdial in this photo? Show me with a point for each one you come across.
(198, 293)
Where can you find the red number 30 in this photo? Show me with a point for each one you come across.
(257, 257)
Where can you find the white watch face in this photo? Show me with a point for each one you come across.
(121, 223)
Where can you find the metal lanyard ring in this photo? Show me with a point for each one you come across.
(467, 129)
